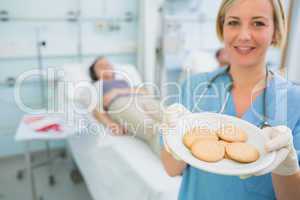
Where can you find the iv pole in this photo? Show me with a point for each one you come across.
(39, 45)
(161, 54)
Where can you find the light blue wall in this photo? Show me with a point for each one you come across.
(18, 52)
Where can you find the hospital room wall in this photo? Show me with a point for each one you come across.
(100, 29)
(103, 31)
(293, 59)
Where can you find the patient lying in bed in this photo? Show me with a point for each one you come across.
(125, 109)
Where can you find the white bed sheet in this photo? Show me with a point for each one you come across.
(121, 168)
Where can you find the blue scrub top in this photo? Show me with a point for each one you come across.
(282, 108)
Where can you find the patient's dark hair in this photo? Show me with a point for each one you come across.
(92, 72)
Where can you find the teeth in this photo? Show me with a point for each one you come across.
(244, 50)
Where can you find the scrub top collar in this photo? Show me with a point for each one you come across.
(276, 92)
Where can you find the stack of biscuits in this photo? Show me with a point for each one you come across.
(228, 142)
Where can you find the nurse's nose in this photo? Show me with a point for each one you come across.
(244, 34)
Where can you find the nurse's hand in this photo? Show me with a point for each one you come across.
(107, 98)
(172, 113)
(280, 139)
(170, 117)
(169, 150)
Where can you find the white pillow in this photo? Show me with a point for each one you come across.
(130, 73)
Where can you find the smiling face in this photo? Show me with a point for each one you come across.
(248, 31)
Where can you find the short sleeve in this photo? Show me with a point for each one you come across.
(161, 141)
(296, 139)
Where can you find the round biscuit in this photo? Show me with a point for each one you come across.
(208, 150)
(242, 152)
(232, 134)
(198, 133)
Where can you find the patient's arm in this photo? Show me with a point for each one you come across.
(105, 119)
(172, 166)
(107, 98)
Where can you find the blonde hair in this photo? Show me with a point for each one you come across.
(279, 21)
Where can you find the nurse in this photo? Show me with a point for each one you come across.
(249, 90)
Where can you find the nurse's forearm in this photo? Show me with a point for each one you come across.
(173, 167)
(287, 187)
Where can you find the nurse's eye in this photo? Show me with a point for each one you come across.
(259, 24)
(233, 23)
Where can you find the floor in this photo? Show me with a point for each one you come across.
(13, 189)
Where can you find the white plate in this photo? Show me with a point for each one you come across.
(214, 121)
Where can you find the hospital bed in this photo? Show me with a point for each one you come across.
(114, 167)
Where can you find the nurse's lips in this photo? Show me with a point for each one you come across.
(244, 49)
